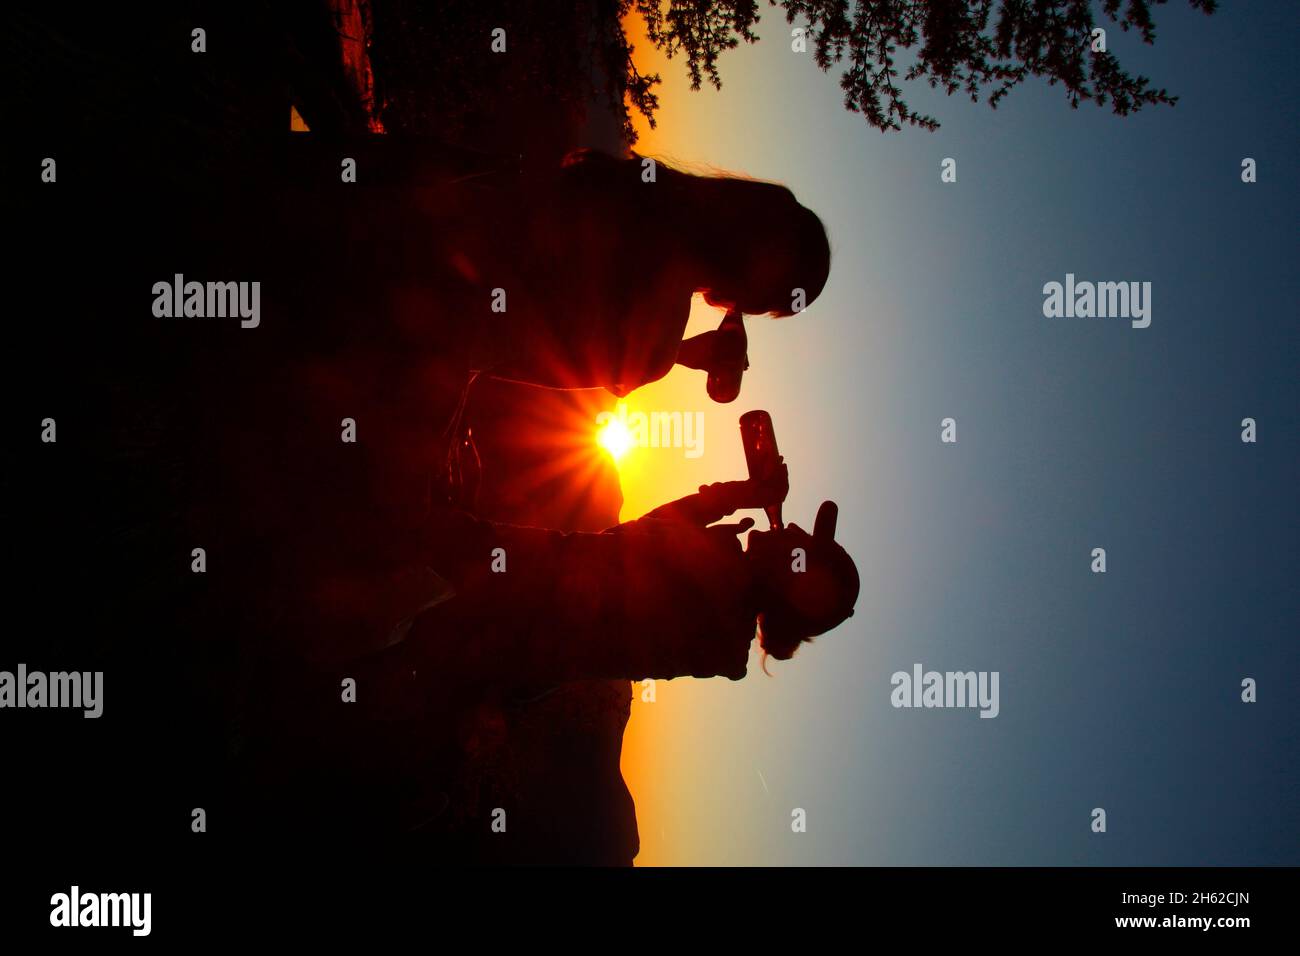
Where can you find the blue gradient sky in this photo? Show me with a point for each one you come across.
(1118, 690)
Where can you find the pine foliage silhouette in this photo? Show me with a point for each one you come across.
(979, 48)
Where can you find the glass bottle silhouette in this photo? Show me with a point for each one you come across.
(723, 384)
(761, 454)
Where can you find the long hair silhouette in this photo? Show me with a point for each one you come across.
(751, 240)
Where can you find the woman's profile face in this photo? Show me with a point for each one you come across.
(748, 300)
(769, 550)
(773, 274)
(814, 591)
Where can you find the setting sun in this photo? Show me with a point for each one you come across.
(615, 438)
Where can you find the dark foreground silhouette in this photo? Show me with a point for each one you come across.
(203, 531)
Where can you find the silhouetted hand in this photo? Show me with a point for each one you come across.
(714, 351)
(739, 527)
(752, 492)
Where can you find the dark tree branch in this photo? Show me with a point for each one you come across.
(953, 45)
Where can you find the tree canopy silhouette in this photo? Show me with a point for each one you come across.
(977, 47)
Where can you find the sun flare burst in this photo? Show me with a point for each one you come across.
(615, 438)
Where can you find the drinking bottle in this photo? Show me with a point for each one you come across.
(724, 379)
(761, 454)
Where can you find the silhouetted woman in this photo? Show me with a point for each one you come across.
(598, 263)
(579, 275)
